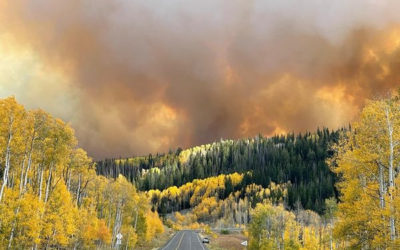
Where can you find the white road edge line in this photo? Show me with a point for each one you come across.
(201, 244)
(171, 240)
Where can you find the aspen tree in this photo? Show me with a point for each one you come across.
(367, 160)
(11, 117)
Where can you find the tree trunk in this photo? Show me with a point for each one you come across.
(48, 183)
(391, 174)
(21, 182)
(381, 186)
(8, 157)
(118, 223)
(41, 183)
(13, 229)
(28, 168)
(78, 190)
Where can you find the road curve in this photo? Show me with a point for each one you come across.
(185, 240)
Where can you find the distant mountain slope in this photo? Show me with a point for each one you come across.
(298, 159)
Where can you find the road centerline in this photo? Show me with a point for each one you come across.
(180, 242)
(170, 241)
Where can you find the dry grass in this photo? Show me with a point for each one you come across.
(227, 242)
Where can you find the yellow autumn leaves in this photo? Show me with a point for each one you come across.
(50, 195)
(367, 162)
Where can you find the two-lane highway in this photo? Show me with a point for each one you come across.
(185, 240)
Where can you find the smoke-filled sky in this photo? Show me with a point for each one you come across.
(135, 76)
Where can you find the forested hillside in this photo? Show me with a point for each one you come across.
(296, 159)
(50, 195)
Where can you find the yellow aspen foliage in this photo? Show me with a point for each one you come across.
(12, 128)
(310, 240)
(194, 226)
(50, 195)
(273, 227)
(173, 191)
(7, 214)
(28, 222)
(366, 159)
(236, 178)
(130, 237)
(57, 229)
(88, 227)
(103, 233)
(154, 225)
(207, 229)
(179, 217)
(176, 226)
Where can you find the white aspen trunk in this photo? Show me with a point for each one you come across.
(12, 230)
(38, 172)
(22, 174)
(22, 189)
(391, 174)
(117, 223)
(120, 221)
(8, 156)
(41, 183)
(115, 226)
(381, 186)
(48, 184)
(78, 190)
(28, 168)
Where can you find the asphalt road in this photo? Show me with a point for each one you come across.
(185, 240)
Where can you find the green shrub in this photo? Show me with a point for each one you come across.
(225, 231)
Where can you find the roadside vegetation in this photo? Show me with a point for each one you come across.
(51, 196)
